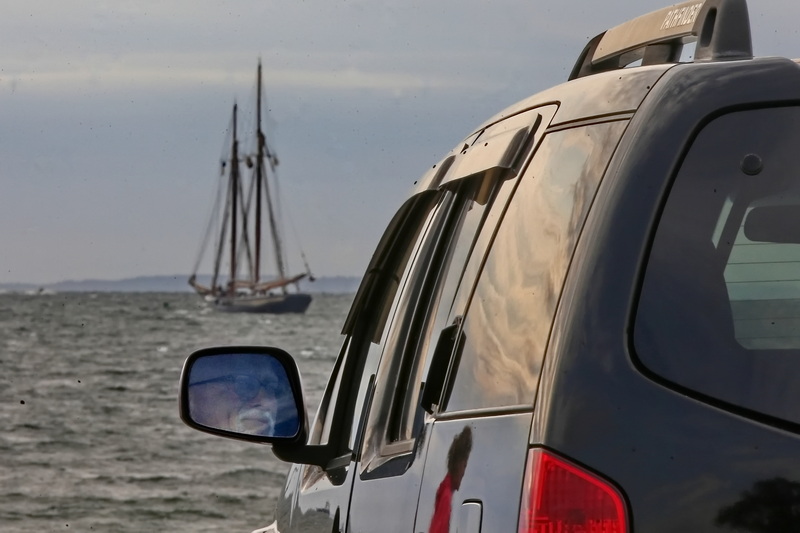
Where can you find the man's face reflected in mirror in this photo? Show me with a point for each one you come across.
(237, 393)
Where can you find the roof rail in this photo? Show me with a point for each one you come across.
(721, 29)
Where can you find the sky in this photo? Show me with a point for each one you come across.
(113, 114)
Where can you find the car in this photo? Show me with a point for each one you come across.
(586, 317)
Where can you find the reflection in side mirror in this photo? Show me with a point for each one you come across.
(250, 393)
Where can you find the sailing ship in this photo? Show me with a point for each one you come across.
(246, 222)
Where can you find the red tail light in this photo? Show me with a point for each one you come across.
(560, 497)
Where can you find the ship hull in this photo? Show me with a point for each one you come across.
(271, 303)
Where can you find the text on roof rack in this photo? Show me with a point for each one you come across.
(681, 17)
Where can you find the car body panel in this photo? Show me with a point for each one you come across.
(314, 500)
(596, 403)
(493, 477)
(622, 91)
(370, 492)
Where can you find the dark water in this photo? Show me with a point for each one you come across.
(90, 438)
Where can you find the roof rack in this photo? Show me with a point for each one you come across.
(721, 29)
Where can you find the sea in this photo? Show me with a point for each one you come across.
(90, 437)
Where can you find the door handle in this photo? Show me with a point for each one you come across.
(440, 364)
(469, 518)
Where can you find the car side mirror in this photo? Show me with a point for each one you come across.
(244, 392)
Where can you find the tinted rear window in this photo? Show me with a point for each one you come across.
(719, 310)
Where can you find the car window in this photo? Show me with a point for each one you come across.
(720, 302)
(430, 282)
(339, 413)
(508, 321)
(442, 272)
(474, 197)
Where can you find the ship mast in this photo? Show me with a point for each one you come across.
(234, 198)
(259, 179)
(276, 241)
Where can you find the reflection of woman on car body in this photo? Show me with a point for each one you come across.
(234, 397)
(457, 457)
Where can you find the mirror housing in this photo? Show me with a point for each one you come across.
(244, 392)
(269, 372)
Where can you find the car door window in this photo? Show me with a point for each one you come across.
(395, 418)
(505, 331)
(473, 200)
(477, 186)
(339, 416)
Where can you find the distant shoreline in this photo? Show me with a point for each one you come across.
(177, 283)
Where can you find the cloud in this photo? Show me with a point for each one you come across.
(120, 107)
(113, 76)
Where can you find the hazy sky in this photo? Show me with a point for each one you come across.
(113, 113)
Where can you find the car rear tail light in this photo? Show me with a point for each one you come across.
(560, 497)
